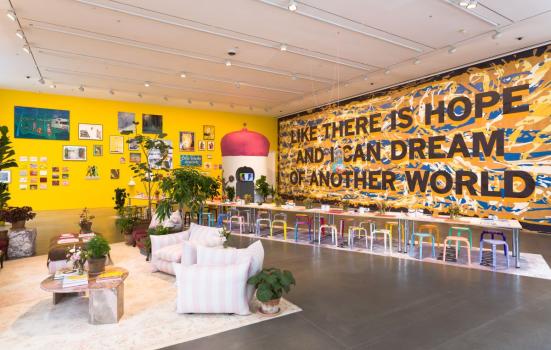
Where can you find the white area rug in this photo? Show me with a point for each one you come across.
(29, 320)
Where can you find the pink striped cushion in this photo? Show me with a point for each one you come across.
(172, 253)
(212, 289)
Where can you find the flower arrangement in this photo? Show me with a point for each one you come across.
(454, 210)
(77, 256)
(85, 221)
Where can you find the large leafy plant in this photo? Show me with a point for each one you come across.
(15, 214)
(6, 161)
(271, 283)
(262, 187)
(120, 199)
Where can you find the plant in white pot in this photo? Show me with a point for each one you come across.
(270, 285)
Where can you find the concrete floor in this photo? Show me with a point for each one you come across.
(361, 301)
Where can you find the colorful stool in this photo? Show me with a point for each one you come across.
(432, 229)
(386, 233)
(221, 218)
(246, 214)
(240, 221)
(342, 224)
(420, 236)
(279, 223)
(359, 231)
(334, 234)
(458, 241)
(493, 234)
(494, 243)
(460, 230)
(303, 219)
(263, 217)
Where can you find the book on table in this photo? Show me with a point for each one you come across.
(109, 276)
(61, 273)
(75, 280)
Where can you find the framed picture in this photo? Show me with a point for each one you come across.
(41, 123)
(202, 145)
(74, 152)
(187, 141)
(126, 122)
(190, 160)
(90, 132)
(135, 157)
(155, 157)
(115, 174)
(133, 145)
(152, 124)
(210, 145)
(116, 144)
(98, 150)
(208, 132)
(5, 176)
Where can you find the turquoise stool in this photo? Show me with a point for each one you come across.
(460, 230)
(209, 216)
(420, 236)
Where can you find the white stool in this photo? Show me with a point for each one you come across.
(240, 220)
(352, 231)
(385, 233)
(334, 234)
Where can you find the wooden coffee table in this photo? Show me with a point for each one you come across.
(106, 299)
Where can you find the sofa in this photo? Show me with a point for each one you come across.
(181, 247)
(173, 223)
(217, 281)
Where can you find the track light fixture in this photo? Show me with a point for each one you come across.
(228, 63)
(19, 34)
(11, 15)
(183, 75)
(52, 86)
(81, 88)
(211, 104)
(294, 77)
(387, 71)
(452, 49)
(469, 4)
(147, 84)
(283, 47)
(417, 61)
(111, 92)
(189, 100)
(26, 48)
(237, 85)
(140, 95)
(497, 35)
(41, 81)
(292, 6)
(165, 98)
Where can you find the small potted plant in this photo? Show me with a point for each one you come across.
(345, 205)
(125, 224)
(17, 216)
(262, 188)
(382, 206)
(247, 198)
(454, 211)
(230, 192)
(97, 250)
(308, 203)
(270, 285)
(85, 221)
(120, 199)
(278, 201)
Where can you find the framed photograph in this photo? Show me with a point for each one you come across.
(202, 145)
(55, 169)
(133, 145)
(187, 141)
(116, 144)
(135, 157)
(90, 132)
(33, 187)
(152, 124)
(208, 132)
(126, 122)
(34, 173)
(5, 176)
(210, 145)
(98, 150)
(41, 123)
(55, 183)
(115, 174)
(74, 152)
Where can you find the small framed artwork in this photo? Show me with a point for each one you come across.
(152, 124)
(126, 122)
(23, 172)
(55, 176)
(90, 132)
(135, 157)
(202, 145)
(210, 145)
(55, 169)
(133, 145)
(116, 144)
(74, 152)
(115, 174)
(5, 176)
(208, 132)
(122, 160)
(98, 150)
(33, 187)
(34, 172)
(55, 183)
(187, 141)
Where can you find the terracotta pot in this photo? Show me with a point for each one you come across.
(86, 227)
(96, 266)
(18, 225)
(128, 239)
(270, 307)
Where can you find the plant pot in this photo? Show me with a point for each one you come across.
(270, 307)
(86, 227)
(96, 266)
(128, 239)
(18, 225)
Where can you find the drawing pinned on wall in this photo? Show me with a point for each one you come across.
(115, 174)
(126, 122)
(23, 159)
(55, 183)
(43, 173)
(210, 145)
(23, 172)
(187, 141)
(152, 124)
(33, 187)
(23, 187)
(92, 173)
(41, 123)
(23, 180)
(33, 172)
(43, 186)
(5, 176)
(43, 159)
(77, 153)
(116, 144)
(133, 145)
(98, 150)
(90, 132)
(33, 159)
(202, 145)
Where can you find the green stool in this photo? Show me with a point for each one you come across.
(459, 231)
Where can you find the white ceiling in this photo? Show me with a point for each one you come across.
(335, 49)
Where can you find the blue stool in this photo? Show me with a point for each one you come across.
(220, 219)
(494, 243)
(420, 236)
(303, 219)
(493, 234)
(209, 216)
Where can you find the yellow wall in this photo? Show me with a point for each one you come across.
(98, 193)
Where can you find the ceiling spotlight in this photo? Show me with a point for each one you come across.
(366, 77)
(111, 91)
(228, 63)
(211, 104)
(165, 98)
(41, 81)
(294, 77)
(189, 100)
(19, 34)
(81, 88)
(283, 47)
(251, 108)
(52, 86)
(27, 49)
(472, 4)
(140, 95)
(452, 49)
(497, 35)
(182, 74)
(237, 85)
(147, 84)
(231, 105)
(292, 6)
(387, 72)
(11, 15)
(417, 61)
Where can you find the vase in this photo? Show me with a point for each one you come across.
(96, 265)
(18, 225)
(270, 307)
(86, 227)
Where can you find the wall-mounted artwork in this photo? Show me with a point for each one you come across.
(202, 145)
(90, 132)
(126, 122)
(115, 174)
(74, 152)
(210, 145)
(187, 141)
(92, 173)
(5, 176)
(190, 160)
(135, 157)
(116, 144)
(155, 156)
(41, 123)
(152, 124)
(98, 150)
(208, 132)
(133, 145)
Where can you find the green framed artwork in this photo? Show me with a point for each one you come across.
(41, 123)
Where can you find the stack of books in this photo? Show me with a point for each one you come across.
(109, 276)
(61, 273)
(75, 280)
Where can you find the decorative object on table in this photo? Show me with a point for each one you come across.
(98, 150)
(247, 198)
(210, 145)
(278, 201)
(208, 132)
(41, 123)
(120, 199)
(270, 285)
(230, 193)
(116, 144)
(187, 141)
(85, 222)
(152, 124)
(308, 203)
(92, 173)
(454, 211)
(97, 250)
(202, 145)
(135, 157)
(77, 257)
(74, 153)
(7, 161)
(191, 160)
(345, 205)
(382, 206)
(115, 174)
(90, 132)
(125, 121)
(17, 216)
(262, 187)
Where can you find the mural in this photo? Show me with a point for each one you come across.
(479, 137)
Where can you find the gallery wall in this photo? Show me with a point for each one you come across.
(479, 137)
(74, 189)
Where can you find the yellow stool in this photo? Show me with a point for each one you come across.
(280, 221)
(432, 229)
(356, 231)
(389, 225)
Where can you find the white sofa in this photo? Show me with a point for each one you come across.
(181, 247)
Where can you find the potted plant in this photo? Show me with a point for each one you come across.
(345, 205)
(262, 188)
(77, 256)
(17, 216)
(97, 250)
(85, 221)
(308, 203)
(230, 193)
(247, 198)
(125, 224)
(454, 211)
(270, 285)
(225, 234)
(278, 201)
(6, 161)
(159, 230)
(120, 199)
